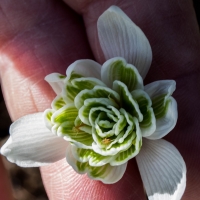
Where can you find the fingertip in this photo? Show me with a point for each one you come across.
(61, 180)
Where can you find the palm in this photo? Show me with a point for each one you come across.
(41, 38)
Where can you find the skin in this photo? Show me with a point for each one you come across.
(41, 37)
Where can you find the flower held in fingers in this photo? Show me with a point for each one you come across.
(104, 116)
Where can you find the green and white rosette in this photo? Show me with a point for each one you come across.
(104, 113)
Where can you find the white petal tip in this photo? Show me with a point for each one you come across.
(56, 81)
(31, 144)
(85, 68)
(119, 36)
(54, 77)
(4, 149)
(176, 195)
(162, 169)
(113, 9)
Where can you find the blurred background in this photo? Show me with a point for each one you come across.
(26, 182)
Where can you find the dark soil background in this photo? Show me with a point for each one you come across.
(26, 182)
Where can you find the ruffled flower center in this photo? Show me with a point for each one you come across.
(106, 117)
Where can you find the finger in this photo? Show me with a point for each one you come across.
(36, 39)
(173, 32)
(63, 182)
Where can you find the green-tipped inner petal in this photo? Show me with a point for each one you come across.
(96, 92)
(58, 102)
(118, 69)
(160, 105)
(127, 102)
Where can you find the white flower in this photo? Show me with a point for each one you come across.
(104, 116)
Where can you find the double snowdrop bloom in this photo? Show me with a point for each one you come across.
(103, 116)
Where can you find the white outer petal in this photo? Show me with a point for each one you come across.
(86, 68)
(55, 82)
(120, 37)
(162, 170)
(31, 144)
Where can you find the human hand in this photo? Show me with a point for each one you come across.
(46, 37)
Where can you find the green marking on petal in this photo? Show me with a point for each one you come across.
(94, 172)
(86, 128)
(103, 139)
(78, 121)
(114, 140)
(160, 93)
(112, 117)
(47, 118)
(116, 148)
(124, 156)
(58, 103)
(142, 99)
(62, 76)
(94, 102)
(105, 173)
(120, 125)
(80, 126)
(159, 100)
(115, 111)
(105, 124)
(130, 125)
(102, 116)
(104, 133)
(86, 83)
(81, 167)
(75, 84)
(70, 92)
(96, 92)
(118, 69)
(78, 137)
(148, 124)
(160, 105)
(97, 138)
(67, 113)
(94, 113)
(74, 75)
(49, 114)
(97, 172)
(127, 102)
(86, 113)
(87, 155)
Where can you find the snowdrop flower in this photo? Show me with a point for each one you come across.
(104, 116)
